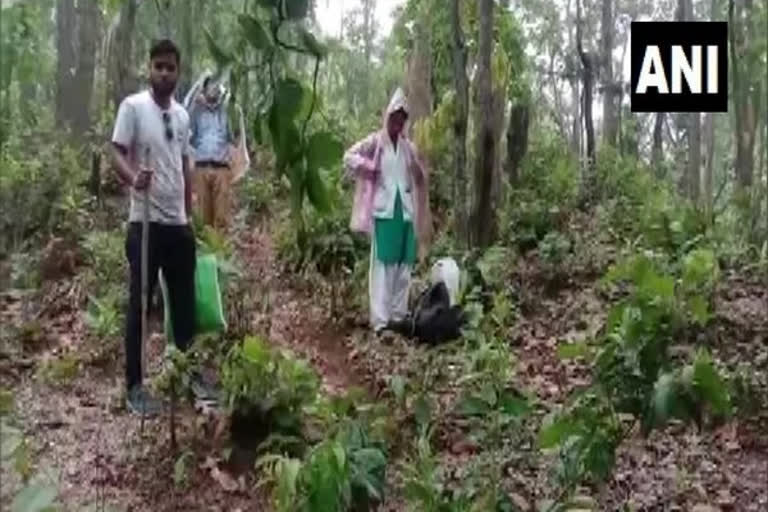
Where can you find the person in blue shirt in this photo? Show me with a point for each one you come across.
(211, 139)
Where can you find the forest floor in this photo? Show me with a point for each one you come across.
(78, 425)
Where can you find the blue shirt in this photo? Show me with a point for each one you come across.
(210, 133)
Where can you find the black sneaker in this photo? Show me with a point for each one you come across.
(141, 401)
(203, 391)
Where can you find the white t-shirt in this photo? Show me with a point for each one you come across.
(140, 127)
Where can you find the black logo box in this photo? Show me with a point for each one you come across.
(666, 34)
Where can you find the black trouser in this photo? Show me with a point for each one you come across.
(172, 249)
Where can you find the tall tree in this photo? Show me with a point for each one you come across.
(588, 75)
(517, 139)
(574, 79)
(89, 23)
(419, 76)
(610, 90)
(657, 151)
(692, 123)
(483, 225)
(66, 60)
(369, 35)
(709, 141)
(120, 75)
(461, 82)
(746, 89)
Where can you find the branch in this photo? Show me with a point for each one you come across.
(287, 46)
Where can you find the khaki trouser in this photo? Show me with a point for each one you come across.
(213, 188)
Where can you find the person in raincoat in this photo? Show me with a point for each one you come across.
(391, 205)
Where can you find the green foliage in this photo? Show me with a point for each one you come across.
(258, 379)
(40, 194)
(433, 136)
(104, 316)
(181, 468)
(424, 489)
(634, 375)
(255, 196)
(545, 195)
(105, 254)
(39, 490)
(554, 247)
(344, 471)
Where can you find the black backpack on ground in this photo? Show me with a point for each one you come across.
(433, 320)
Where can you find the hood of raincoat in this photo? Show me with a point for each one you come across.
(196, 92)
(397, 102)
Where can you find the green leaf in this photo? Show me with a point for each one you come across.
(318, 195)
(294, 9)
(218, 54)
(269, 4)
(512, 404)
(710, 385)
(397, 383)
(288, 97)
(572, 350)
(324, 150)
(311, 43)
(254, 32)
(255, 350)
(36, 497)
(556, 432)
(422, 410)
(488, 394)
(180, 468)
(472, 405)
(287, 476)
(285, 138)
(699, 309)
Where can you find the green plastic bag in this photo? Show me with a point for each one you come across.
(208, 307)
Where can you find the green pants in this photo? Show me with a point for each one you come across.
(395, 239)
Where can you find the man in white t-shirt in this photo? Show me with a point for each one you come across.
(151, 150)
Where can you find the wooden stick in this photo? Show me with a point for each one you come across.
(144, 285)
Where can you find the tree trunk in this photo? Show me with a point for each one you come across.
(517, 140)
(498, 111)
(369, 10)
(66, 61)
(610, 117)
(588, 74)
(419, 76)
(89, 16)
(709, 157)
(692, 123)
(122, 81)
(460, 125)
(483, 221)
(745, 103)
(657, 153)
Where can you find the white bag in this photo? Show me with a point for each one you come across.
(447, 271)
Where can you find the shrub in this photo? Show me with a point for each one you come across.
(268, 384)
(633, 371)
(544, 196)
(40, 194)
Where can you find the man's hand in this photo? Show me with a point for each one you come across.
(142, 179)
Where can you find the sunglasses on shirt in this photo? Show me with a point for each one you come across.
(168, 126)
